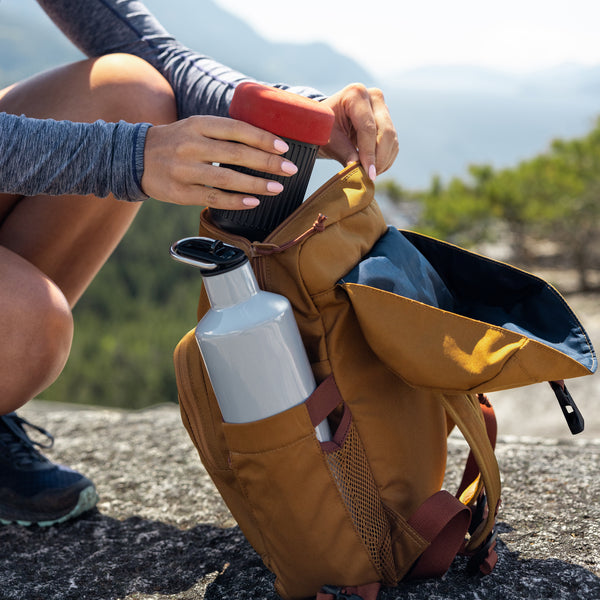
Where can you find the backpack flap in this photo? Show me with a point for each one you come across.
(445, 318)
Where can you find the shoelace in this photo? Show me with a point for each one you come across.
(20, 447)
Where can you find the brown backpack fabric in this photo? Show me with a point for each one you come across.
(395, 375)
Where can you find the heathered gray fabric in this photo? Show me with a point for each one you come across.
(43, 156)
(49, 157)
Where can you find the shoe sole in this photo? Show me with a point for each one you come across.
(88, 498)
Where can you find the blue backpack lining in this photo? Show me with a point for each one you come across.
(449, 278)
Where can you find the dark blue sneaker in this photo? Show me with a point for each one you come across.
(34, 490)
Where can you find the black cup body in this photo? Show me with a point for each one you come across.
(256, 223)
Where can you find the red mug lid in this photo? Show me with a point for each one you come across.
(282, 113)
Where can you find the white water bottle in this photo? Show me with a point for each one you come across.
(249, 339)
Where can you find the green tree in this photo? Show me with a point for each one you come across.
(554, 196)
(458, 212)
(132, 316)
(570, 191)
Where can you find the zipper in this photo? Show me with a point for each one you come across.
(310, 200)
(262, 249)
(258, 262)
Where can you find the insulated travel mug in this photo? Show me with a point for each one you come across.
(249, 339)
(305, 124)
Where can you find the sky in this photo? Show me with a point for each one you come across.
(393, 35)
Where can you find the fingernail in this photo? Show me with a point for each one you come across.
(281, 146)
(274, 187)
(372, 173)
(289, 167)
(251, 202)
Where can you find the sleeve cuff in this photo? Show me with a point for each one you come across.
(128, 161)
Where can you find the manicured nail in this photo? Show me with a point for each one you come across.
(372, 173)
(274, 187)
(281, 146)
(251, 202)
(289, 167)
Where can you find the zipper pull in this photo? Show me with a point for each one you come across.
(266, 249)
(572, 415)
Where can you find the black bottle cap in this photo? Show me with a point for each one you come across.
(212, 257)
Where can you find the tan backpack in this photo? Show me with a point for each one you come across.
(404, 334)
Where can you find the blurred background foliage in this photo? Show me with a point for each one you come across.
(130, 319)
(542, 214)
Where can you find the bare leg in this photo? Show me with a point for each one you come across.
(52, 247)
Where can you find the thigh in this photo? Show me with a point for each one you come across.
(69, 237)
(111, 87)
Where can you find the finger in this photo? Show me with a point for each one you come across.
(387, 138)
(340, 148)
(215, 198)
(201, 195)
(210, 185)
(360, 113)
(234, 181)
(221, 128)
(239, 154)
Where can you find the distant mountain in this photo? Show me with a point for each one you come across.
(29, 42)
(447, 117)
(452, 116)
(227, 38)
(566, 80)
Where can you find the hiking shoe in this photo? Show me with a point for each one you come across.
(34, 490)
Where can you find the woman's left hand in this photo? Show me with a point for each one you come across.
(363, 129)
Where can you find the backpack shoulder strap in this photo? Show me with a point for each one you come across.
(466, 413)
(471, 472)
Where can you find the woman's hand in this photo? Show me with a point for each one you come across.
(363, 129)
(179, 157)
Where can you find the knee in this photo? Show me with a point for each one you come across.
(131, 89)
(36, 345)
(54, 331)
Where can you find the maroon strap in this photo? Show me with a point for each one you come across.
(368, 591)
(320, 404)
(491, 426)
(491, 556)
(323, 401)
(443, 521)
(484, 559)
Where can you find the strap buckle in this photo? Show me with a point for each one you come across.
(339, 593)
(478, 560)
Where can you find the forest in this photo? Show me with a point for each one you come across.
(544, 212)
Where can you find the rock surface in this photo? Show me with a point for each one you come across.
(161, 531)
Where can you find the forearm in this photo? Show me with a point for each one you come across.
(59, 157)
(97, 27)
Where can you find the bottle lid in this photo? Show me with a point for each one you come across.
(282, 113)
(212, 257)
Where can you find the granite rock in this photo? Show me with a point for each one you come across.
(161, 531)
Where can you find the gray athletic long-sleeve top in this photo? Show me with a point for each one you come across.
(43, 156)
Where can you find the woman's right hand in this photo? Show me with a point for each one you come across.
(179, 157)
